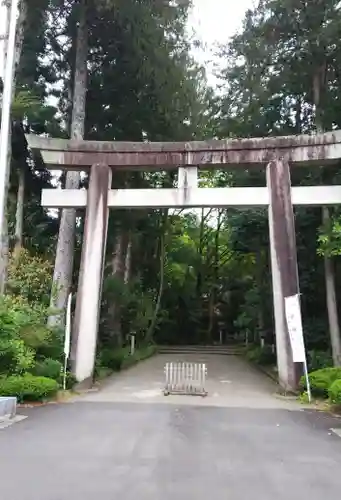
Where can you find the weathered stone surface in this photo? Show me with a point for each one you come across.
(246, 197)
(8, 407)
(91, 273)
(306, 149)
(284, 265)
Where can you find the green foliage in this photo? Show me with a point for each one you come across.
(15, 357)
(329, 238)
(28, 387)
(334, 392)
(319, 359)
(120, 359)
(50, 368)
(144, 85)
(22, 328)
(261, 355)
(24, 335)
(113, 359)
(321, 380)
(30, 277)
(25, 105)
(22, 320)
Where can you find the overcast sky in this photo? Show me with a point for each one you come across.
(216, 21)
(212, 20)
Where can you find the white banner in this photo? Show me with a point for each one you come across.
(295, 329)
(68, 328)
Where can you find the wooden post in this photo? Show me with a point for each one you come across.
(89, 291)
(284, 266)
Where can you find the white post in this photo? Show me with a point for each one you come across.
(132, 344)
(306, 374)
(6, 109)
(67, 338)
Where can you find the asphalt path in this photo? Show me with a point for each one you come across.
(159, 448)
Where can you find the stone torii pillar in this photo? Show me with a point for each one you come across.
(308, 150)
(88, 302)
(284, 266)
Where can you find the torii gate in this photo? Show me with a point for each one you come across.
(276, 153)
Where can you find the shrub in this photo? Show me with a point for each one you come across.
(334, 392)
(319, 359)
(50, 368)
(24, 324)
(28, 387)
(70, 380)
(30, 277)
(139, 355)
(320, 381)
(261, 355)
(113, 359)
(15, 357)
(119, 359)
(20, 319)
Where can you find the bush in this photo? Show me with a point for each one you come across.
(30, 277)
(319, 359)
(320, 381)
(261, 355)
(70, 380)
(334, 392)
(24, 333)
(119, 359)
(15, 357)
(50, 368)
(20, 319)
(113, 359)
(28, 387)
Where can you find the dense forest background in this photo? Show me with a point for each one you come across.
(123, 70)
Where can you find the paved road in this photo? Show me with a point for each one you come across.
(231, 383)
(97, 448)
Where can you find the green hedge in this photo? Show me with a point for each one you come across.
(321, 381)
(120, 359)
(334, 392)
(28, 387)
(261, 355)
(319, 359)
(50, 368)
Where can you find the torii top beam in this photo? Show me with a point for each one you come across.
(320, 149)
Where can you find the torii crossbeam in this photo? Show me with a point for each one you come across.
(103, 158)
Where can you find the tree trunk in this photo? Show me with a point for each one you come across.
(62, 276)
(4, 244)
(127, 263)
(200, 253)
(151, 329)
(259, 284)
(213, 294)
(333, 319)
(19, 214)
(329, 272)
(121, 263)
(114, 309)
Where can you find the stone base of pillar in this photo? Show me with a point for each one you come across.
(85, 385)
(89, 291)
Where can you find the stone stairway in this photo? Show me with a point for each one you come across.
(228, 350)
